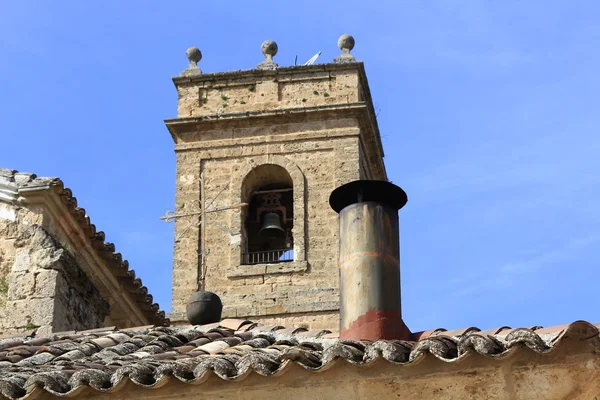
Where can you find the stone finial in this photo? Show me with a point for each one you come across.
(269, 49)
(194, 55)
(345, 43)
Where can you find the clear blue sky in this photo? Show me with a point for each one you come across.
(489, 112)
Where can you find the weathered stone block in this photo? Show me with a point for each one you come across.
(46, 289)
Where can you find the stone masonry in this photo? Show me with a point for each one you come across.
(56, 271)
(41, 286)
(46, 291)
(315, 121)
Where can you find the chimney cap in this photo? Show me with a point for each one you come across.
(367, 190)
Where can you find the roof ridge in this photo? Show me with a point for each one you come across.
(25, 179)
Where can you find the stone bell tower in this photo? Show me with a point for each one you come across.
(258, 154)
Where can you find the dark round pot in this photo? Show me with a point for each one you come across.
(204, 308)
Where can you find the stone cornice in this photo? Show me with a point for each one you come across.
(283, 74)
(206, 122)
(270, 139)
(359, 110)
(258, 74)
(8, 192)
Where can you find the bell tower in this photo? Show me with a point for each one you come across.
(258, 154)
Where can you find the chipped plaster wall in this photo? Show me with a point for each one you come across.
(322, 144)
(42, 287)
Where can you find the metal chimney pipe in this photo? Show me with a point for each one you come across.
(369, 260)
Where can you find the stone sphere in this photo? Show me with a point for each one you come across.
(346, 42)
(204, 308)
(194, 54)
(269, 47)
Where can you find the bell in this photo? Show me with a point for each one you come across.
(271, 227)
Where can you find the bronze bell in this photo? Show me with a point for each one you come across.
(271, 227)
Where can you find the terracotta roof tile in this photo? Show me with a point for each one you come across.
(425, 334)
(62, 364)
(234, 324)
(553, 329)
(136, 328)
(534, 327)
(313, 333)
(208, 327)
(494, 331)
(213, 347)
(38, 341)
(291, 331)
(200, 341)
(266, 328)
(244, 335)
(458, 332)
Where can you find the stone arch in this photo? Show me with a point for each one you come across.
(299, 203)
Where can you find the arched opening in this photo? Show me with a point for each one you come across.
(269, 218)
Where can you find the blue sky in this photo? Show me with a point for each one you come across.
(489, 113)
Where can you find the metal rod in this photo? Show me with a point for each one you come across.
(170, 215)
(273, 191)
(202, 271)
(269, 256)
(218, 194)
(226, 208)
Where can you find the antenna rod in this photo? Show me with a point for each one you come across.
(313, 59)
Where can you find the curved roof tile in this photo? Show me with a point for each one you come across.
(104, 359)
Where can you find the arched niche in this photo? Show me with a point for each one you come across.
(260, 172)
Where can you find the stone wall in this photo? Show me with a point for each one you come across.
(252, 91)
(310, 283)
(314, 122)
(41, 286)
(27, 200)
(13, 222)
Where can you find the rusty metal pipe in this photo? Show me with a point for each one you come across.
(369, 260)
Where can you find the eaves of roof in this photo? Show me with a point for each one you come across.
(64, 364)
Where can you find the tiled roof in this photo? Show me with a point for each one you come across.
(65, 363)
(22, 182)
